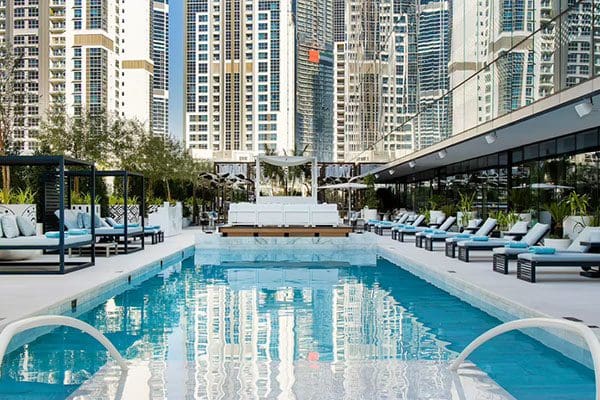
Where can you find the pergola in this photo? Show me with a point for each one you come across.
(286, 161)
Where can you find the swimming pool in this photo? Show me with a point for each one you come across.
(262, 329)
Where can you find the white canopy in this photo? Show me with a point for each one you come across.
(285, 161)
(347, 185)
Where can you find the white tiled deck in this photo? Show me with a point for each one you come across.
(26, 295)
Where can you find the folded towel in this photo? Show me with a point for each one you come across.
(516, 245)
(77, 232)
(463, 236)
(410, 228)
(152, 227)
(429, 230)
(55, 234)
(480, 238)
(542, 250)
(439, 231)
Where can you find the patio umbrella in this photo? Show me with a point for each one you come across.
(349, 186)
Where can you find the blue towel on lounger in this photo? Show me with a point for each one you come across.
(77, 232)
(516, 245)
(429, 230)
(122, 226)
(463, 236)
(480, 238)
(55, 235)
(410, 227)
(542, 250)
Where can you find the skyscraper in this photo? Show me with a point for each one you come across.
(160, 58)
(377, 59)
(91, 56)
(433, 54)
(314, 78)
(239, 78)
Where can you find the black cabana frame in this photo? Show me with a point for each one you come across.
(60, 163)
(126, 235)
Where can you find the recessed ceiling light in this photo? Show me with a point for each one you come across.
(391, 172)
(584, 108)
(491, 137)
(412, 164)
(442, 153)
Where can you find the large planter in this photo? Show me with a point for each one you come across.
(117, 212)
(369, 214)
(169, 218)
(459, 215)
(28, 211)
(436, 217)
(558, 244)
(574, 224)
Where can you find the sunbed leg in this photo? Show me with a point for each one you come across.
(500, 264)
(463, 254)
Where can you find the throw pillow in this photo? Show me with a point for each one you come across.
(25, 226)
(9, 226)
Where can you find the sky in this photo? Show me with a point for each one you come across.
(176, 20)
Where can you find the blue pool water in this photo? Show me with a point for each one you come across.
(202, 317)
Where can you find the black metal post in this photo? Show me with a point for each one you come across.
(126, 219)
(61, 215)
(93, 213)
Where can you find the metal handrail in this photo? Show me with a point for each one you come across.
(584, 331)
(51, 320)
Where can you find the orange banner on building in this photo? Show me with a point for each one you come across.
(313, 56)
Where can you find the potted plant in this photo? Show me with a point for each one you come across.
(82, 203)
(578, 217)
(434, 213)
(521, 201)
(559, 211)
(505, 220)
(370, 211)
(465, 209)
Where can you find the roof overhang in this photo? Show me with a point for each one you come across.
(547, 118)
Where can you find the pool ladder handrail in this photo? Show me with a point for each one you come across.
(52, 320)
(583, 330)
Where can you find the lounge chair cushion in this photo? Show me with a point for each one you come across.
(565, 257)
(510, 251)
(116, 231)
(80, 220)
(535, 234)
(71, 219)
(474, 244)
(55, 234)
(542, 250)
(25, 226)
(474, 223)
(481, 238)
(583, 236)
(519, 227)
(516, 245)
(447, 224)
(110, 221)
(487, 227)
(9, 226)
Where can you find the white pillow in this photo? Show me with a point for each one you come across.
(25, 226)
(9, 226)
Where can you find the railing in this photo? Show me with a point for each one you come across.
(586, 333)
(51, 320)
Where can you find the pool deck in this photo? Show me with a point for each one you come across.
(558, 292)
(28, 295)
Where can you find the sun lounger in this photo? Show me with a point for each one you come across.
(383, 226)
(576, 255)
(486, 229)
(414, 230)
(419, 236)
(502, 255)
(531, 238)
(431, 238)
(155, 234)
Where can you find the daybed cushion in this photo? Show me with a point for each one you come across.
(110, 221)
(70, 219)
(42, 240)
(25, 226)
(9, 226)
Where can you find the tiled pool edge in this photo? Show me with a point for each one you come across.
(92, 297)
(500, 307)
